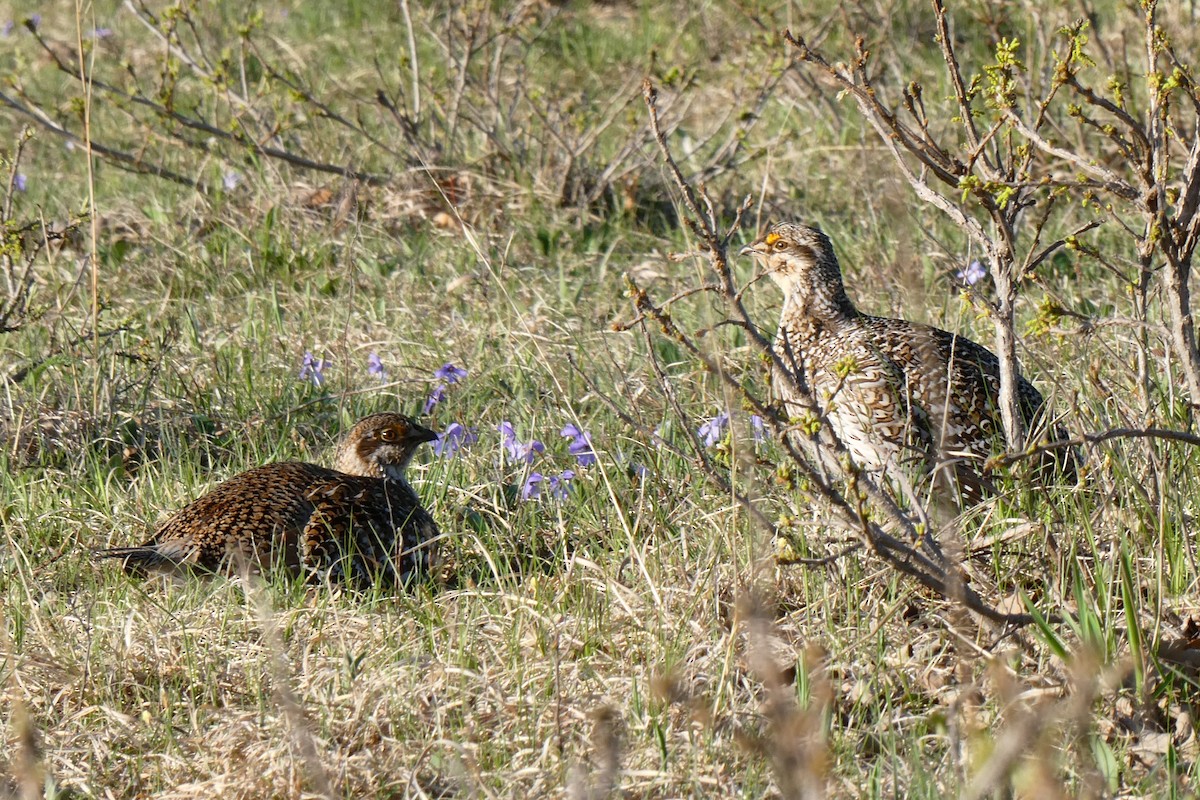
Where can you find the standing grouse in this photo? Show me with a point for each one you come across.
(898, 394)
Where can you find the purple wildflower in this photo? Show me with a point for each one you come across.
(582, 450)
(581, 445)
(518, 450)
(6, 28)
(714, 430)
(507, 433)
(19, 182)
(375, 366)
(34, 21)
(973, 274)
(532, 486)
(640, 470)
(435, 397)
(313, 369)
(450, 373)
(560, 485)
(100, 33)
(526, 451)
(453, 439)
(231, 179)
(556, 486)
(757, 430)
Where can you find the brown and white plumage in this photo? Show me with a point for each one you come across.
(358, 523)
(898, 394)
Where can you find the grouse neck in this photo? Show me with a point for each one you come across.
(351, 462)
(826, 304)
(398, 487)
(393, 472)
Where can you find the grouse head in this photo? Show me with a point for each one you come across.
(800, 259)
(381, 446)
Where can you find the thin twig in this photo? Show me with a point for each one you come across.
(1165, 434)
(134, 163)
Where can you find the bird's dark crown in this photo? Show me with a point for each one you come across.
(381, 445)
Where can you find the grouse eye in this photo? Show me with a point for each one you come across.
(389, 435)
(780, 244)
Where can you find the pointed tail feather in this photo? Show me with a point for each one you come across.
(137, 559)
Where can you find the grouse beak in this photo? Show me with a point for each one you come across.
(755, 248)
(419, 434)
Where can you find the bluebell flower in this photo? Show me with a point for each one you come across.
(313, 369)
(19, 182)
(35, 20)
(581, 445)
(435, 397)
(714, 430)
(6, 28)
(231, 179)
(973, 274)
(532, 486)
(450, 373)
(640, 470)
(100, 33)
(375, 366)
(454, 438)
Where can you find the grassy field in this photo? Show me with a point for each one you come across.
(372, 191)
